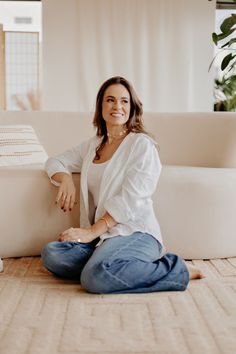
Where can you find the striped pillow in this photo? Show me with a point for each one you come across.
(19, 145)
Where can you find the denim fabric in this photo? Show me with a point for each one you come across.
(121, 264)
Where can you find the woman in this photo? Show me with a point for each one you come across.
(118, 247)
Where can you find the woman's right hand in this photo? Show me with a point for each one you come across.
(66, 193)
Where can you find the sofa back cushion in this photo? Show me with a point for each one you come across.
(188, 139)
(195, 139)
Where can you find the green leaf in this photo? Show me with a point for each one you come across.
(212, 62)
(228, 23)
(232, 65)
(229, 43)
(233, 40)
(225, 45)
(224, 35)
(225, 62)
(215, 38)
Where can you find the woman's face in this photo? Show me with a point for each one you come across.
(116, 105)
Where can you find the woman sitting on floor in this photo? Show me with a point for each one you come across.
(118, 247)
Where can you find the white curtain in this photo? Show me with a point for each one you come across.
(163, 47)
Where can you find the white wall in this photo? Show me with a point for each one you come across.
(60, 55)
(173, 78)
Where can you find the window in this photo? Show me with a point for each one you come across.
(20, 36)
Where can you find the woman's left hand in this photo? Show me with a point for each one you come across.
(77, 234)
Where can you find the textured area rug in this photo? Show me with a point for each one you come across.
(41, 314)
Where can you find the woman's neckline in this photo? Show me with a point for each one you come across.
(119, 147)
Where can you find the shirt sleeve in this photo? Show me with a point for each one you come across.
(68, 162)
(140, 182)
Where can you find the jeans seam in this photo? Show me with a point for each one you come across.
(80, 248)
(177, 283)
(110, 258)
(84, 251)
(114, 276)
(123, 247)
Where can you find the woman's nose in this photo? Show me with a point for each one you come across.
(117, 104)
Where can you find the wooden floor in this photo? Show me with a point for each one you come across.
(40, 314)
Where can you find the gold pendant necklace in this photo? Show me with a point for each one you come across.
(112, 137)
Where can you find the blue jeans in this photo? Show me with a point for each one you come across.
(121, 264)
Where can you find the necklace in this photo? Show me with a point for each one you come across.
(112, 137)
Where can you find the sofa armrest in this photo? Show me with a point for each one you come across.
(29, 217)
(196, 210)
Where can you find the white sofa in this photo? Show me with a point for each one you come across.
(195, 200)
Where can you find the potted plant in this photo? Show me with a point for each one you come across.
(225, 86)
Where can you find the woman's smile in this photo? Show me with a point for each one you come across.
(116, 107)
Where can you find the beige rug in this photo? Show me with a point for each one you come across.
(40, 314)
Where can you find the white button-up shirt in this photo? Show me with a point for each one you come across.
(128, 183)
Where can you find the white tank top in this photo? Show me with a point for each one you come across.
(95, 174)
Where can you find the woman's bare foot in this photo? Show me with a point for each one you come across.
(194, 272)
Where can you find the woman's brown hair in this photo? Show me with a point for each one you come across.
(134, 123)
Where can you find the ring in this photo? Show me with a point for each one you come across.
(79, 240)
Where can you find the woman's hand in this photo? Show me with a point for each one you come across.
(77, 234)
(66, 192)
(88, 235)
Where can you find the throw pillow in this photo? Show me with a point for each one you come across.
(19, 145)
